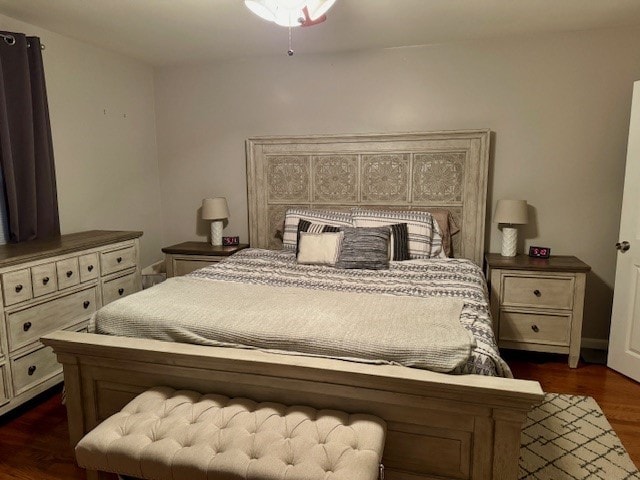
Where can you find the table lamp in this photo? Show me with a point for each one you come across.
(510, 213)
(215, 209)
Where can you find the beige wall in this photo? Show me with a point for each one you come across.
(559, 106)
(106, 163)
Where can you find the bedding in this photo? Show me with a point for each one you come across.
(448, 278)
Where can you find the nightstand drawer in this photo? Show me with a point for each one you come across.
(183, 267)
(534, 291)
(540, 328)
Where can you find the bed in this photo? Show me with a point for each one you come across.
(439, 425)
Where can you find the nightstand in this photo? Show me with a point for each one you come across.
(186, 257)
(537, 303)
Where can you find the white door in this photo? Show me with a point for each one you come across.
(624, 341)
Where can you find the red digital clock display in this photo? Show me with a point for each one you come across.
(540, 252)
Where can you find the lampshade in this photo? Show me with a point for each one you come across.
(511, 211)
(215, 208)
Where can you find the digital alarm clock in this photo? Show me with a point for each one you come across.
(540, 252)
(230, 241)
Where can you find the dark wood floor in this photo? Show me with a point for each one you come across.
(34, 445)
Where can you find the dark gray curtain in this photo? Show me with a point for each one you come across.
(26, 150)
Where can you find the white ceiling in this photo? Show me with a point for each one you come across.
(165, 32)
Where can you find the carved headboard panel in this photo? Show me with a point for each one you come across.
(417, 171)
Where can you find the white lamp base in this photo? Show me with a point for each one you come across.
(509, 241)
(216, 233)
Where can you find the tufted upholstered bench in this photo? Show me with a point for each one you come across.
(183, 435)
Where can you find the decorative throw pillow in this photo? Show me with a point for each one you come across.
(399, 242)
(366, 248)
(326, 217)
(420, 225)
(319, 248)
(448, 228)
(307, 226)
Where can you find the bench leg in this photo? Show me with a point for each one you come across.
(95, 475)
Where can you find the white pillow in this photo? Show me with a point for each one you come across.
(319, 248)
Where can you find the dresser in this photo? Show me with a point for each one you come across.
(537, 304)
(186, 257)
(56, 284)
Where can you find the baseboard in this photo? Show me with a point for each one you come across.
(595, 343)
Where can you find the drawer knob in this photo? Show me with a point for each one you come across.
(45, 280)
(119, 259)
(69, 273)
(31, 370)
(86, 304)
(120, 291)
(26, 326)
(535, 328)
(90, 267)
(623, 246)
(537, 293)
(18, 288)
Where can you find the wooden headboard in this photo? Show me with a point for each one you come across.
(417, 171)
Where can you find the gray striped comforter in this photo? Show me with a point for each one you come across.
(426, 279)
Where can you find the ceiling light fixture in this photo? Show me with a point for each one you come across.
(291, 13)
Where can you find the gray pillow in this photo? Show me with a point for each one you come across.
(365, 247)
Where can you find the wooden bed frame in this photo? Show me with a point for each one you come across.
(439, 426)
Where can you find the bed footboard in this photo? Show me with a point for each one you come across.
(439, 426)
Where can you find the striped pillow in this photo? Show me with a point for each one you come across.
(326, 217)
(366, 248)
(424, 238)
(399, 242)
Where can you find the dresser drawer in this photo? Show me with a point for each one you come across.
(16, 286)
(119, 287)
(88, 266)
(4, 397)
(33, 368)
(534, 291)
(44, 279)
(28, 325)
(540, 328)
(68, 273)
(118, 260)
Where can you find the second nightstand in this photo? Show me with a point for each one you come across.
(537, 304)
(186, 257)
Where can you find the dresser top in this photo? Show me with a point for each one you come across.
(15, 253)
(555, 263)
